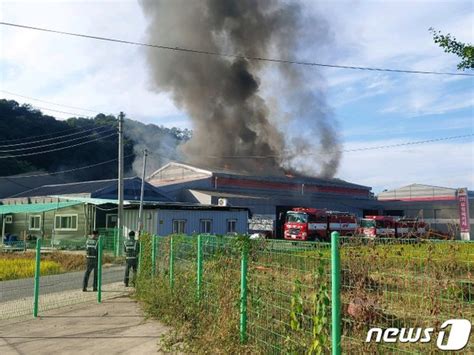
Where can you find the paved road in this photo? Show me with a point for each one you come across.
(16, 289)
(116, 326)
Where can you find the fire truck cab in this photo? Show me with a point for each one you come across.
(317, 224)
(377, 226)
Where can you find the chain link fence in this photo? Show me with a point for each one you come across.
(266, 296)
(271, 296)
(34, 281)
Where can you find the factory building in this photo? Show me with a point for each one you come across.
(71, 211)
(267, 197)
(446, 210)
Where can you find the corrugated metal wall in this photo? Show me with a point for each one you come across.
(193, 218)
(130, 221)
(417, 191)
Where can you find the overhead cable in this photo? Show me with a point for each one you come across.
(55, 149)
(47, 102)
(54, 143)
(231, 55)
(344, 150)
(54, 138)
(14, 177)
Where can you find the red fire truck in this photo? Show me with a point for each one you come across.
(377, 226)
(387, 226)
(411, 227)
(317, 224)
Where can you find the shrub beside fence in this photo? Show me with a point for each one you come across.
(285, 306)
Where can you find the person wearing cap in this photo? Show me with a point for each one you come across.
(91, 255)
(131, 248)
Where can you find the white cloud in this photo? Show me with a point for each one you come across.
(409, 129)
(445, 164)
(430, 101)
(100, 76)
(394, 34)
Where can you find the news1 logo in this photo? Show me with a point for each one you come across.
(456, 338)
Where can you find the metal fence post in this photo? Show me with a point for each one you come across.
(37, 277)
(140, 254)
(336, 294)
(171, 263)
(117, 241)
(153, 255)
(199, 266)
(99, 271)
(243, 293)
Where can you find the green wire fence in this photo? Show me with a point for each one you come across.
(44, 278)
(265, 296)
(273, 296)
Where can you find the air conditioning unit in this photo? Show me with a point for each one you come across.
(9, 219)
(222, 202)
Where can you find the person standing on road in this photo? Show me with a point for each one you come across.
(131, 248)
(92, 245)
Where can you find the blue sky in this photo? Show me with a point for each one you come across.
(371, 108)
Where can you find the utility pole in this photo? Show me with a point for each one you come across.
(120, 176)
(142, 192)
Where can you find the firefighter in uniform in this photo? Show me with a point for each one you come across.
(91, 254)
(131, 248)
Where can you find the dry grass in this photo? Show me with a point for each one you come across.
(407, 285)
(11, 269)
(68, 261)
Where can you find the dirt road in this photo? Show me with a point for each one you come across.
(115, 326)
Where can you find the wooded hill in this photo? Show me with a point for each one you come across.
(25, 131)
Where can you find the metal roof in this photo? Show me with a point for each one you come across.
(69, 188)
(101, 201)
(35, 207)
(23, 182)
(215, 193)
(297, 179)
(97, 189)
(151, 204)
(89, 200)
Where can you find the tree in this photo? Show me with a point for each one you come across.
(451, 45)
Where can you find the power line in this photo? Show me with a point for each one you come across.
(56, 149)
(52, 144)
(40, 136)
(409, 143)
(67, 113)
(278, 156)
(63, 171)
(345, 150)
(48, 102)
(53, 138)
(230, 55)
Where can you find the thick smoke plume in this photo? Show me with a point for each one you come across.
(161, 143)
(224, 96)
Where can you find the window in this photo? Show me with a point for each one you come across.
(66, 222)
(35, 223)
(296, 217)
(367, 223)
(179, 226)
(206, 225)
(111, 220)
(231, 224)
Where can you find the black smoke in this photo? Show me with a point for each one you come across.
(224, 96)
